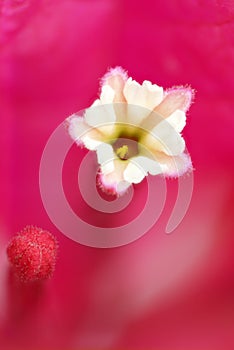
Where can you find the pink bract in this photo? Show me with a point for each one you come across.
(161, 292)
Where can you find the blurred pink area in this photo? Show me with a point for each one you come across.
(162, 291)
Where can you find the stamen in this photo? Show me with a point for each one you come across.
(122, 152)
(125, 148)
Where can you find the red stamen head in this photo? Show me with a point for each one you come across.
(32, 254)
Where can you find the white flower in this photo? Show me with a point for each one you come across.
(135, 130)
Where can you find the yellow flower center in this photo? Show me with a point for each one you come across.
(122, 152)
(125, 148)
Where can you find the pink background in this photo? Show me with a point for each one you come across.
(162, 291)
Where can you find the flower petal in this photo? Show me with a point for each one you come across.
(177, 120)
(114, 181)
(175, 98)
(139, 167)
(134, 114)
(164, 138)
(105, 157)
(146, 95)
(83, 134)
(134, 174)
(90, 143)
(107, 95)
(153, 94)
(115, 79)
(174, 166)
(99, 115)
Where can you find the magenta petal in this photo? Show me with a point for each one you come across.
(160, 292)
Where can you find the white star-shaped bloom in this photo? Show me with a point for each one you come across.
(135, 130)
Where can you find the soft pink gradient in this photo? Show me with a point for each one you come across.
(161, 292)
